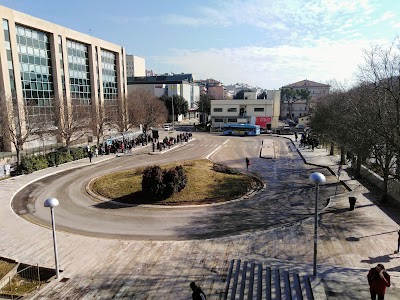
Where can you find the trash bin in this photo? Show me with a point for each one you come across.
(352, 202)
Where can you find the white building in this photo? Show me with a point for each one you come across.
(135, 66)
(263, 112)
(169, 85)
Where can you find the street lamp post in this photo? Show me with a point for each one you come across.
(53, 202)
(173, 117)
(316, 178)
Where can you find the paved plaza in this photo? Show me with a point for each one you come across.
(350, 242)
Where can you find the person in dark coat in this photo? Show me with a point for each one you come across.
(398, 242)
(247, 163)
(378, 280)
(197, 294)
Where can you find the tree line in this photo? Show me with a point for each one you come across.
(70, 122)
(364, 121)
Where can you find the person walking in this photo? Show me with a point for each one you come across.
(197, 294)
(247, 163)
(90, 155)
(378, 280)
(295, 136)
(398, 242)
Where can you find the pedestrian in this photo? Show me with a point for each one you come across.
(398, 242)
(197, 294)
(295, 135)
(96, 151)
(378, 280)
(90, 156)
(247, 163)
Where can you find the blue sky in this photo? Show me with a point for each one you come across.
(263, 43)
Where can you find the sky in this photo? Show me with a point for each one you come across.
(264, 43)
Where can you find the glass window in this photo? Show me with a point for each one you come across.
(217, 109)
(232, 120)
(258, 108)
(232, 109)
(5, 24)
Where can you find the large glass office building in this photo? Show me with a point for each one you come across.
(47, 70)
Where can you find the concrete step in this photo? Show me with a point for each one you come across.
(255, 280)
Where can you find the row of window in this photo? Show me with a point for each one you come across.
(234, 109)
(222, 120)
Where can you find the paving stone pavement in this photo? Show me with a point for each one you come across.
(350, 242)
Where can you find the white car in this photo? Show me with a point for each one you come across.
(167, 127)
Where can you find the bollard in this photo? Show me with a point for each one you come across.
(352, 202)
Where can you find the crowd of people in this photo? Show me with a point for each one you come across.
(307, 140)
(169, 141)
(125, 146)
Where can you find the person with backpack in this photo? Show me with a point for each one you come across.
(197, 294)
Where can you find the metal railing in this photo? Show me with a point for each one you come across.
(21, 283)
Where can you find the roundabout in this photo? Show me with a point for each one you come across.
(287, 198)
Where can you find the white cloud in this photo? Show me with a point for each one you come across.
(271, 67)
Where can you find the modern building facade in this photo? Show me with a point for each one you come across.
(293, 108)
(135, 66)
(169, 85)
(47, 70)
(250, 110)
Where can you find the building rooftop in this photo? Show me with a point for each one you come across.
(305, 83)
(166, 78)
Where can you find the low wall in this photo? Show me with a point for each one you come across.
(393, 185)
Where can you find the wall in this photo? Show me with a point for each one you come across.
(393, 186)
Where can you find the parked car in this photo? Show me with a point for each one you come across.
(300, 126)
(167, 127)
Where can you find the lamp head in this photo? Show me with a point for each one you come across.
(51, 202)
(317, 178)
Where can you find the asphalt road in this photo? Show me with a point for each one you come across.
(288, 196)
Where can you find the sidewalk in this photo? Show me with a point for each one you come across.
(367, 236)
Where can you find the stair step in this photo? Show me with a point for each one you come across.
(251, 280)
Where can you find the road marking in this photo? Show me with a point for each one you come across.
(216, 149)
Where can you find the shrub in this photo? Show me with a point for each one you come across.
(78, 153)
(152, 182)
(64, 157)
(161, 184)
(40, 162)
(223, 169)
(30, 164)
(27, 165)
(51, 159)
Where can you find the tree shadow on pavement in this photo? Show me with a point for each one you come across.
(378, 259)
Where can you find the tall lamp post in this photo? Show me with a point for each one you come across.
(316, 178)
(173, 117)
(53, 202)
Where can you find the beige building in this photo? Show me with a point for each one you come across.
(295, 107)
(47, 69)
(263, 112)
(135, 66)
(212, 88)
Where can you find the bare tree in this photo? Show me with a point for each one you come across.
(98, 124)
(16, 126)
(74, 123)
(143, 108)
